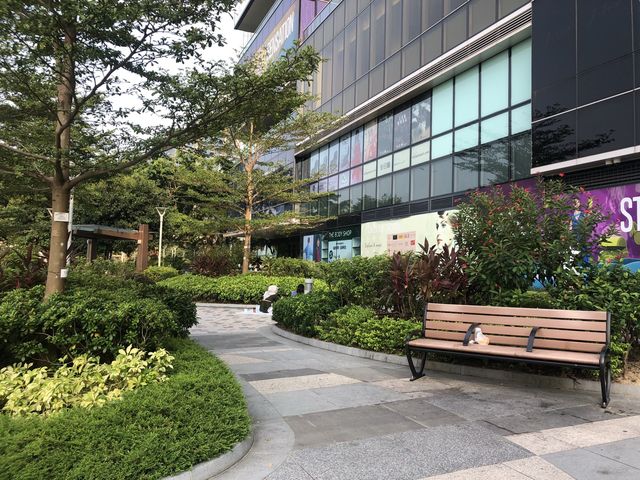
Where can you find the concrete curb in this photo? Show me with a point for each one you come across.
(495, 374)
(212, 468)
(223, 305)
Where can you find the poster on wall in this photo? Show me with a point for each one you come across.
(370, 141)
(401, 242)
(308, 245)
(340, 249)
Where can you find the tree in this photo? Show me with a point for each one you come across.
(251, 180)
(74, 74)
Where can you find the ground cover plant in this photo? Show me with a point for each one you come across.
(197, 414)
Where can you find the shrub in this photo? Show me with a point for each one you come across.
(361, 327)
(359, 281)
(234, 289)
(83, 382)
(157, 274)
(217, 260)
(21, 268)
(302, 313)
(528, 299)
(510, 235)
(155, 431)
(293, 267)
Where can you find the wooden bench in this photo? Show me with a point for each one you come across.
(568, 338)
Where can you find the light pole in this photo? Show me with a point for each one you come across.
(161, 211)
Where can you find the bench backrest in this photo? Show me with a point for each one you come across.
(566, 330)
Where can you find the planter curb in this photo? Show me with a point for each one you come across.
(212, 468)
(495, 374)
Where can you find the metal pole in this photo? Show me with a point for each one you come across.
(70, 227)
(161, 211)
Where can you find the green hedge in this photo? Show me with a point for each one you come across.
(302, 313)
(294, 267)
(156, 274)
(246, 289)
(96, 315)
(158, 430)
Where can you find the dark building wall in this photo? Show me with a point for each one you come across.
(584, 52)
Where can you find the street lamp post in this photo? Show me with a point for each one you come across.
(161, 211)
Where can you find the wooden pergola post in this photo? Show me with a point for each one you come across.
(91, 250)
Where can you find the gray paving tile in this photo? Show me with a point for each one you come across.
(373, 373)
(535, 422)
(289, 471)
(357, 394)
(251, 377)
(235, 340)
(421, 411)
(347, 424)
(624, 451)
(299, 402)
(585, 465)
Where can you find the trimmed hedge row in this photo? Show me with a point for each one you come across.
(234, 289)
(160, 429)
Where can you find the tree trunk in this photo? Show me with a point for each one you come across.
(58, 243)
(246, 251)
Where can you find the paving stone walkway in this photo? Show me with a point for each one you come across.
(320, 415)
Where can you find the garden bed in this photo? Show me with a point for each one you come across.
(198, 414)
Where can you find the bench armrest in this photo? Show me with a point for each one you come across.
(411, 335)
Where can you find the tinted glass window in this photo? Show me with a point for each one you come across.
(348, 98)
(338, 62)
(313, 164)
(385, 134)
(344, 179)
(401, 187)
(521, 119)
(344, 205)
(432, 44)
(356, 198)
(350, 54)
(376, 80)
(451, 5)
(455, 29)
(521, 72)
(554, 139)
(401, 159)
(369, 194)
(467, 97)
(421, 120)
(466, 137)
(384, 191)
(334, 156)
(362, 62)
(385, 165)
(554, 99)
(442, 107)
(494, 163)
(605, 80)
(521, 156)
(482, 13)
(432, 13)
(420, 153)
(334, 198)
(442, 145)
(323, 164)
(411, 20)
(402, 128)
(606, 126)
(441, 176)
(494, 128)
(392, 70)
(495, 84)
(465, 171)
(505, 7)
(393, 31)
(377, 31)
(411, 58)
(420, 182)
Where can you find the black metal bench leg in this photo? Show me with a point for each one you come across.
(605, 384)
(415, 374)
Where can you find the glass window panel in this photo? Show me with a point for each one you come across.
(465, 171)
(345, 152)
(338, 18)
(357, 140)
(356, 175)
(326, 74)
(442, 146)
(521, 156)
(420, 182)
(393, 29)
(362, 90)
(401, 187)
(521, 72)
(401, 159)
(322, 185)
(606, 126)
(348, 98)
(369, 194)
(411, 58)
(411, 20)
(370, 141)
(343, 179)
(377, 31)
(370, 170)
(336, 104)
(323, 163)
(338, 63)
(350, 54)
(494, 163)
(495, 84)
(344, 204)
(521, 119)
(385, 134)
(467, 96)
(466, 137)
(402, 128)
(432, 13)
(351, 11)
(328, 30)
(363, 44)
(384, 191)
(451, 5)
(482, 13)
(313, 164)
(508, 6)
(334, 155)
(332, 183)
(554, 140)
(455, 29)
(323, 206)
(393, 70)
(356, 198)
(606, 80)
(421, 120)
(362, 4)
(432, 44)
(442, 108)
(420, 153)
(494, 128)
(334, 198)
(376, 80)
(385, 165)
(441, 177)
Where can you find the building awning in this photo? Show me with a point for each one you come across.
(253, 14)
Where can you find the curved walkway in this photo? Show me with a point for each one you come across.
(321, 415)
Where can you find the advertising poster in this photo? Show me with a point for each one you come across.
(401, 242)
(356, 146)
(370, 141)
(345, 151)
(308, 245)
(340, 249)
(334, 153)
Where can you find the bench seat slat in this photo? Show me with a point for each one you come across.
(581, 358)
(543, 322)
(550, 333)
(518, 311)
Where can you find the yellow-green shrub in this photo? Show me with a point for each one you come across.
(83, 382)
